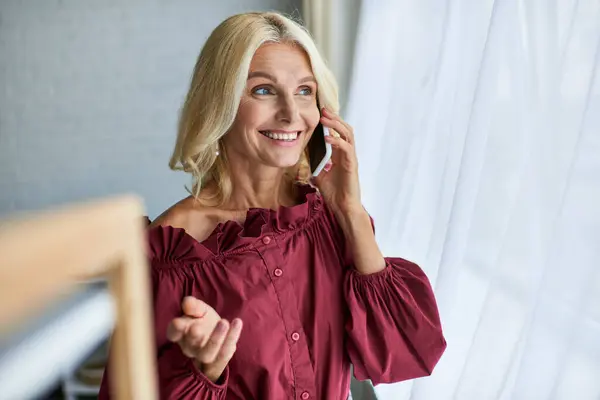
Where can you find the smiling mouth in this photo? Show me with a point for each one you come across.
(284, 137)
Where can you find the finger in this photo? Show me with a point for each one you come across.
(227, 350)
(339, 143)
(343, 128)
(194, 307)
(344, 154)
(338, 127)
(332, 115)
(178, 327)
(194, 338)
(199, 332)
(213, 346)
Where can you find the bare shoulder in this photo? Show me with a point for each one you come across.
(197, 220)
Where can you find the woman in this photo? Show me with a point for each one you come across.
(254, 243)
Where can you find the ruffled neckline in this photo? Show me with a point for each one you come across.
(167, 242)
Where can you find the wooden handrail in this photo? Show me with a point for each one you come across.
(45, 255)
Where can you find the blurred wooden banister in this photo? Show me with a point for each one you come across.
(45, 255)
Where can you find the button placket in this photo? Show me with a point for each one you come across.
(271, 253)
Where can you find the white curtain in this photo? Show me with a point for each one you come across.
(478, 133)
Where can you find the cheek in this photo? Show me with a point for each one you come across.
(248, 115)
(244, 122)
(312, 119)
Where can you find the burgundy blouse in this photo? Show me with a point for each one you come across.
(307, 313)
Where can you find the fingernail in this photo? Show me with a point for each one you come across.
(236, 323)
(220, 328)
(328, 166)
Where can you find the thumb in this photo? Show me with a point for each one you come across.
(193, 307)
(317, 180)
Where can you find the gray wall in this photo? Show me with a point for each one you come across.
(89, 95)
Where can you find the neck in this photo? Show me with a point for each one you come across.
(260, 194)
(259, 187)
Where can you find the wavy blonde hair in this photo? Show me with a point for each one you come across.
(217, 85)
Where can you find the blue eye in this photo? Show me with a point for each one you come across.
(261, 91)
(306, 91)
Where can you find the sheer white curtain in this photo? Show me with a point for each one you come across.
(478, 132)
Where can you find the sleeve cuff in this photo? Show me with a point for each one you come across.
(220, 384)
(369, 278)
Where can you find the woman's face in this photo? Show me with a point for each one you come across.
(278, 111)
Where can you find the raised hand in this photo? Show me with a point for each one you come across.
(339, 183)
(205, 337)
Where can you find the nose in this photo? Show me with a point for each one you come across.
(288, 110)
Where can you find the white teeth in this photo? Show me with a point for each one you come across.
(287, 137)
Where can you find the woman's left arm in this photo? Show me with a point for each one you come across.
(394, 330)
(340, 187)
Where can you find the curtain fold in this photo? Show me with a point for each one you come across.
(332, 23)
(478, 133)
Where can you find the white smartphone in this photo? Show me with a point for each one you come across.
(319, 151)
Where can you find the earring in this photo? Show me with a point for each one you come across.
(217, 151)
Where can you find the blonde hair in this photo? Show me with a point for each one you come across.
(217, 85)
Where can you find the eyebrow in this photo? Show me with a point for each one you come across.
(261, 74)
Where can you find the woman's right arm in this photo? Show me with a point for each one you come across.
(193, 365)
(192, 355)
(208, 342)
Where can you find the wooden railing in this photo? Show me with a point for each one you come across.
(45, 257)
